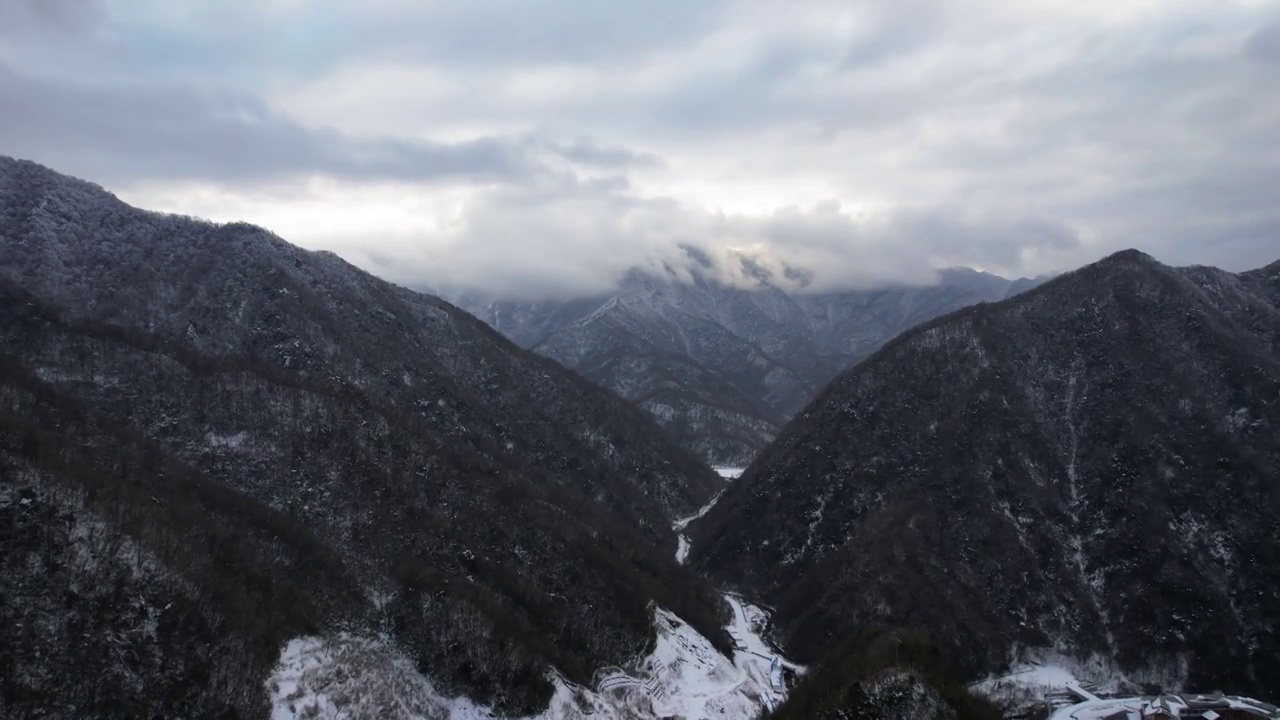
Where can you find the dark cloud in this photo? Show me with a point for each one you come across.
(23, 17)
(132, 132)
(1264, 45)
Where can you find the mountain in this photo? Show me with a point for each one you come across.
(723, 368)
(1022, 285)
(1091, 468)
(214, 443)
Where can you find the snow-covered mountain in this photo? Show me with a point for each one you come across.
(1091, 468)
(723, 368)
(214, 443)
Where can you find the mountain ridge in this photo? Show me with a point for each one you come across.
(213, 442)
(723, 367)
(1014, 444)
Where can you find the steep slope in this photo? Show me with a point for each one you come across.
(723, 368)
(884, 673)
(213, 439)
(1092, 466)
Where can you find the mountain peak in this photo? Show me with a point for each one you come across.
(1062, 446)
(1129, 256)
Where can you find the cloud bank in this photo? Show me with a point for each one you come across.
(543, 147)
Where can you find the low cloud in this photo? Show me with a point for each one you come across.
(536, 245)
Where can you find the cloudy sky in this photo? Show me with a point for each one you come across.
(534, 147)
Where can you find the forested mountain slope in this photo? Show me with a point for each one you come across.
(1092, 466)
(723, 368)
(212, 441)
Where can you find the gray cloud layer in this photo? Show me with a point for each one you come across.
(129, 131)
(866, 142)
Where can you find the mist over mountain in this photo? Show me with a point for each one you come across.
(1090, 468)
(213, 442)
(723, 367)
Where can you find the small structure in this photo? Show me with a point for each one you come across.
(1214, 706)
(1256, 707)
(1205, 702)
(1159, 709)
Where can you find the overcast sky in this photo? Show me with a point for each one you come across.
(533, 147)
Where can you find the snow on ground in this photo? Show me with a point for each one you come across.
(1088, 689)
(1097, 709)
(1050, 677)
(1042, 676)
(349, 678)
(697, 681)
(682, 523)
(1176, 705)
(234, 441)
(746, 628)
(682, 543)
(694, 680)
(682, 548)
(1033, 683)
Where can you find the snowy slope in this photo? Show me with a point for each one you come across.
(348, 677)
(1043, 677)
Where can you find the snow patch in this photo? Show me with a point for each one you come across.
(233, 441)
(346, 677)
(1189, 706)
(682, 523)
(1045, 677)
(349, 678)
(730, 473)
(682, 542)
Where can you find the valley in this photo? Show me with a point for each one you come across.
(639, 360)
(241, 479)
(683, 546)
(723, 367)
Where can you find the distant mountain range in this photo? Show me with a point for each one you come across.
(723, 368)
(1091, 468)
